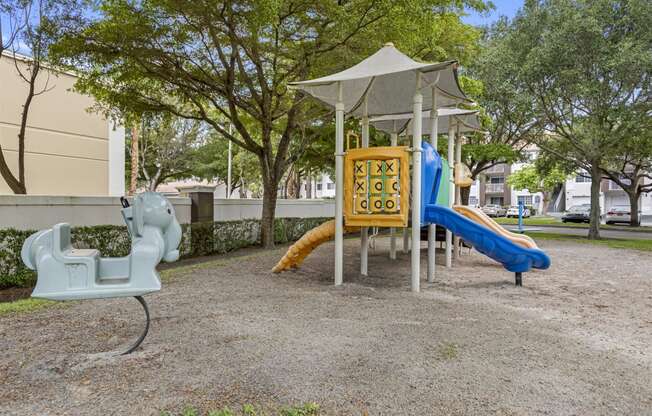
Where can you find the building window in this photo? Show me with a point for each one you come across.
(582, 178)
(525, 199)
(319, 186)
(497, 179)
(330, 186)
(496, 200)
(473, 200)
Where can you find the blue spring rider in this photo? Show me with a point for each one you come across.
(67, 273)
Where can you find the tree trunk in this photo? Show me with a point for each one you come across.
(464, 194)
(545, 203)
(634, 195)
(596, 176)
(18, 185)
(133, 183)
(309, 187)
(13, 183)
(269, 211)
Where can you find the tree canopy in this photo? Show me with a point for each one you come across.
(587, 64)
(226, 60)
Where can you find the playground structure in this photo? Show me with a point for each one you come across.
(67, 273)
(400, 96)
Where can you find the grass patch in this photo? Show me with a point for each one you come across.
(542, 221)
(531, 221)
(631, 244)
(448, 351)
(308, 409)
(25, 305)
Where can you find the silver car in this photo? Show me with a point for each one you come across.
(618, 213)
(494, 210)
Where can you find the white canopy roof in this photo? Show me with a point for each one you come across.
(467, 119)
(389, 79)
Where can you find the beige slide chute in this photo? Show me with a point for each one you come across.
(476, 215)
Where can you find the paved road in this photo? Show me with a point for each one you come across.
(584, 231)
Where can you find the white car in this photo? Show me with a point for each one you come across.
(494, 210)
(513, 212)
(618, 213)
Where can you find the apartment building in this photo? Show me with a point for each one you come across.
(492, 188)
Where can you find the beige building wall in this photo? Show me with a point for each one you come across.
(68, 149)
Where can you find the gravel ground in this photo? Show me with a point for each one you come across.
(575, 340)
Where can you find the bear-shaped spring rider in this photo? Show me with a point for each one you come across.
(66, 273)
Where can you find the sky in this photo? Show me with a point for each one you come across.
(503, 7)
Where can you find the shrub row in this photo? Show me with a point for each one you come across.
(199, 239)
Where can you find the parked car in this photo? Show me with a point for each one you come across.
(513, 212)
(618, 213)
(494, 210)
(577, 213)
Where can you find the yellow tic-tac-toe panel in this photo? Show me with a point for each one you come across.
(376, 202)
(361, 204)
(360, 168)
(390, 204)
(376, 185)
(391, 185)
(391, 167)
(360, 185)
(377, 167)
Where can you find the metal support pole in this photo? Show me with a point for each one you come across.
(458, 190)
(339, 188)
(432, 228)
(364, 231)
(392, 235)
(416, 185)
(406, 231)
(228, 168)
(451, 190)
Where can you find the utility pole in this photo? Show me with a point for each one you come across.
(228, 169)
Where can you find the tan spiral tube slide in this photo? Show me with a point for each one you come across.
(306, 244)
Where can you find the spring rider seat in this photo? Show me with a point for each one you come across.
(66, 273)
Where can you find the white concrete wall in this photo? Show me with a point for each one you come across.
(33, 212)
(238, 209)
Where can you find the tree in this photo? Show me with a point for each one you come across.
(588, 64)
(217, 60)
(35, 26)
(532, 178)
(630, 167)
(211, 163)
(168, 147)
(506, 112)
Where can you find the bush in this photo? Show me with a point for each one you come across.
(199, 239)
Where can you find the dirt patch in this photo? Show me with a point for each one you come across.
(15, 293)
(576, 339)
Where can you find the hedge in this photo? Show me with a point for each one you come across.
(199, 239)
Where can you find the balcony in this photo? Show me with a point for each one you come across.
(500, 168)
(495, 188)
(613, 186)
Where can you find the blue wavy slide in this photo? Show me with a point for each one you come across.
(513, 257)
